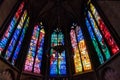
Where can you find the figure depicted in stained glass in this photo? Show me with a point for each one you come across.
(57, 54)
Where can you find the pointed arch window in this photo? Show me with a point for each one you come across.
(81, 57)
(35, 51)
(57, 56)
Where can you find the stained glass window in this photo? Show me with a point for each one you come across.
(39, 52)
(57, 58)
(99, 36)
(17, 49)
(77, 59)
(94, 41)
(81, 57)
(34, 56)
(14, 35)
(112, 44)
(102, 40)
(12, 25)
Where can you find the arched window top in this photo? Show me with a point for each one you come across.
(57, 54)
(35, 52)
(81, 57)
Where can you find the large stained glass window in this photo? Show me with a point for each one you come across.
(12, 25)
(99, 37)
(57, 56)
(14, 35)
(17, 49)
(102, 40)
(112, 44)
(94, 41)
(81, 58)
(34, 56)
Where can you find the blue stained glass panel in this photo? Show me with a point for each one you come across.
(20, 42)
(15, 36)
(38, 59)
(99, 36)
(57, 60)
(94, 42)
(32, 50)
(11, 27)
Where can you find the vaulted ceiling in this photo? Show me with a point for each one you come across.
(54, 13)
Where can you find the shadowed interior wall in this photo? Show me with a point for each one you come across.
(4, 66)
(5, 9)
(111, 10)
